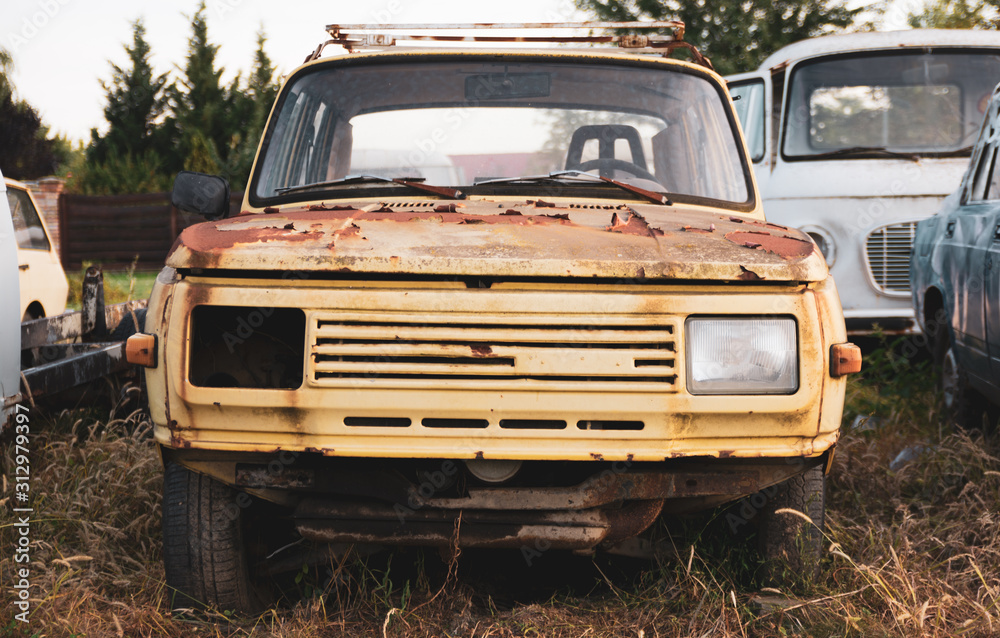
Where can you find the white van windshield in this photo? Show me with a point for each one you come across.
(908, 102)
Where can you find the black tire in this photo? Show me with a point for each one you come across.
(133, 396)
(130, 324)
(961, 404)
(204, 554)
(791, 548)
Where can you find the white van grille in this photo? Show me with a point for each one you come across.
(889, 249)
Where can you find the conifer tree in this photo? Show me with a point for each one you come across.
(136, 104)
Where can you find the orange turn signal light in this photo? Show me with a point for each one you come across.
(845, 358)
(140, 349)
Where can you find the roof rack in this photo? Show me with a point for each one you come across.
(354, 37)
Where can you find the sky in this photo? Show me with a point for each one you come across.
(61, 48)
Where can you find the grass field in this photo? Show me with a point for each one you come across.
(119, 286)
(912, 551)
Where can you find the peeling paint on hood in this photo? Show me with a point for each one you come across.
(526, 238)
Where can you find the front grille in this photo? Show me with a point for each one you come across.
(518, 348)
(889, 249)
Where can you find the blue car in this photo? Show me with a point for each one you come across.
(955, 278)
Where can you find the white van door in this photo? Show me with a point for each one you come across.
(10, 319)
(751, 93)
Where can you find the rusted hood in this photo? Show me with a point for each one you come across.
(504, 239)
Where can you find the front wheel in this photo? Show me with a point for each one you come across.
(790, 544)
(204, 553)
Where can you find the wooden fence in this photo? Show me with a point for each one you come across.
(114, 230)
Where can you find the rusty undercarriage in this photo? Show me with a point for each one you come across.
(590, 505)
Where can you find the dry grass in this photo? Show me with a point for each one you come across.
(913, 551)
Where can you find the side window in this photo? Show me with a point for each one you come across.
(27, 226)
(748, 98)
(985, 183)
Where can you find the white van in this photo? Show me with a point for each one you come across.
(10, 321)
(857, 137)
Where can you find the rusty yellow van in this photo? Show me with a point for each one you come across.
(485, 297)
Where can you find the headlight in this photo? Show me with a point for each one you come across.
(824, 241)
(752, 355)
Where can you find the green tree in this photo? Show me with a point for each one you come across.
(955, 14)
(135, 106)
(251, 107)
(133, 155)
(6, 65)
(203, 108)
(735, 34)
(26, 151)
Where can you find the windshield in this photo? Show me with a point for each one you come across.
(913, 102)
(460, 124)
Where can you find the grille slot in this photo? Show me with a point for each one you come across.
(611, 425)
(521, 348)
(888, 249)
(532, 424)
(376, 422)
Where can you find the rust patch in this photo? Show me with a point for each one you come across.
(271, 209)
(641, 273)
(481, 351)
(350, 231)
(629, 457)
(785, 247)
(207, 236)
(738, 220)
(632, 519)
(541, 203)
(726, 454)
(748, 275)
(596, 456)
(634, 224)
(214, 237)
(479, 455)
(562, 216)
(511, 211)
(446, 208)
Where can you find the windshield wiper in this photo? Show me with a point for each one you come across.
(560, 176)
(880, 151)
(965, 150)
(440, 191)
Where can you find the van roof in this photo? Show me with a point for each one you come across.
(847, 42)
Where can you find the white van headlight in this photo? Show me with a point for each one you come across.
(748, 355)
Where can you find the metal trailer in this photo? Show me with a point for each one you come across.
(74, 349)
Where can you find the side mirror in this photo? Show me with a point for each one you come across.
(206, 195)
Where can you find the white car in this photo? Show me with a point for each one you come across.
(855, 138)
(42, 280)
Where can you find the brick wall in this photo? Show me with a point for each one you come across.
(46, 192)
